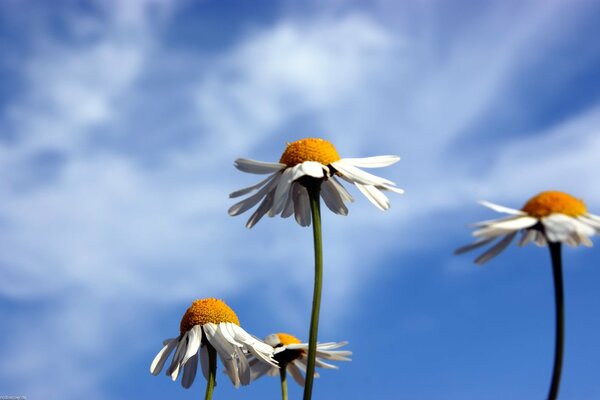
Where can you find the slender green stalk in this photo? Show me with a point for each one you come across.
(282, 371)
(315, 207)
(212, 371)
(555, 254)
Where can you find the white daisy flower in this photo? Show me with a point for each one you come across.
(548, 217)
(284, 192)
(210, 322)
(291, 354)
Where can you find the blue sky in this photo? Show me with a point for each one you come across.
(119, 124)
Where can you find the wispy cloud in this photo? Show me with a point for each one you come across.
(96, 230)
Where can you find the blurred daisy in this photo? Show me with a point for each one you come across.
(209, 325)
(284, 192)
(548, 217)
(290, 354)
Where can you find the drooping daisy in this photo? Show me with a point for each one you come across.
(290, 354)
(209, 326)
(548, 217)
(284, 192)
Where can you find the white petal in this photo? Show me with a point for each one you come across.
(231, 369)
(288, 210)
(293, 369)
(341, 189)
(260, 212)
(375, 196)
(472, 246)
(194, 339)
(160, 359)
(591, 222)
(249, 189)
(501, 209)
(189, 371)
(204, 361)
(282, 192)
(311, 168)
(221, 345)
(251, 201)
(257, 167)
(496, 249)
(259, 349)
(372, 162)
(355, 175)
(332, 198)
(540, 239)
(527, 236)
(259, 368)
(173, 370)
(322, 364)
(302, 207)
(244, 368)
(558, 227)
(514, 224)
(504, 226)
(391, 188)
(583, 228)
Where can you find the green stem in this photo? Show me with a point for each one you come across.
(282, 370)
(313, 194)
(212, 371)
(555, 250)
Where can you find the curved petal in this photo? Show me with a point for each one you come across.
(501, 209)
(189, 371)
(379, 199)
(332, 198)
(356, 175)
(257, 167)
(496, 249)
(372, 162)
(473, 246)
(311, 168)
(249, 202)
(249, 189)
(204, 361)
(293, 369)
(302, 207)
(194, 339)
(160, 359)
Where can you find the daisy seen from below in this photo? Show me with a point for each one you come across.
(284, 191)
(209, 327)
(307, 171)
(291, 355)
(549, 218)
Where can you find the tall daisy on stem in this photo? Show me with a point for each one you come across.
(307, 171)
(209, 327)
(550, 218)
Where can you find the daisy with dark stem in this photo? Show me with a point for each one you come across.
(209, 327)
(308, 170)
(291, 356)
(550, 218)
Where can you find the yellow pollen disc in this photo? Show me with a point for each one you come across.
(207, 310)
(309, 149)
(554, 202)
(286, 339)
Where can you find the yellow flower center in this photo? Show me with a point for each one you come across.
(309, 149)
(207, 310)
(553, 202)
(286, 339)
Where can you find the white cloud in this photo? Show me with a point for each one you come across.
(110, 227)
